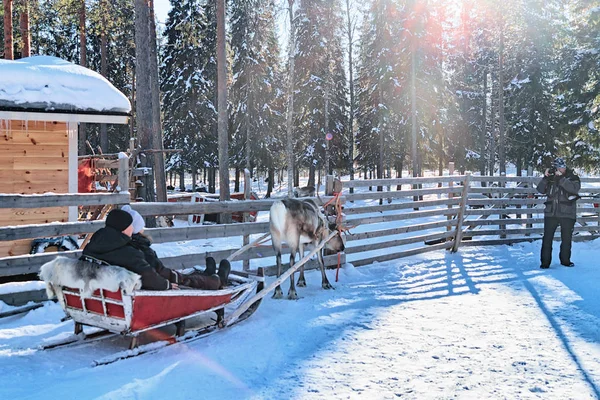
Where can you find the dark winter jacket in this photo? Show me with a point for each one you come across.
(562, 194)
(116, 248)
(143, 243)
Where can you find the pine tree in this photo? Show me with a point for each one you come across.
(256, 87)
(321, 91)
(381, 135)
(578, 86)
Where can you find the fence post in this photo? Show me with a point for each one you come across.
(531, 196)
(123, 174)
(246, 218)
(450, 193)
(461, 212)
(501, 195)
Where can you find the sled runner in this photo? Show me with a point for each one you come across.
(116, 309)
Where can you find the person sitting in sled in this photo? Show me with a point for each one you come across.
(114, 245)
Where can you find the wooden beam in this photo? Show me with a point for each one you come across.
(61, 200)
(64, 117)
(400, 181)
(398, 217)
(396, 194)
(400, 206)
(49, 230)
(400, 254)
(461, 214)
(396, 231)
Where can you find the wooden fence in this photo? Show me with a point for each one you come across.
(441, 213)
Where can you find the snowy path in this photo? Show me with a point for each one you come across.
(485, 323)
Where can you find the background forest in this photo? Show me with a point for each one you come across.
(389, 84)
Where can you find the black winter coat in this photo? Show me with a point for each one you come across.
(143, 243)
(562, 194)
(116, 248)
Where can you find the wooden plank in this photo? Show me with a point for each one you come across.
(22, 298)
(22, 216)
(461, 214)
(25, 188)
(41, 163)
(401, 254)
(399, 194)
(163, 235)
(49, 230)
(15, 248)
(217, 207)
(41, 176)
(503, 202)
(40, 138)
(396, 231)
(27, 125)
(52, 200)
(519, 221)
(400, 181)
(499, 179)
(31, 263)
(103, 163)
(504, 211)
(398, 242)
(526, 231)
(503, 190)
(29, 150)
(400, 206)
(398, 217)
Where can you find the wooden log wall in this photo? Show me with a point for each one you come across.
(34, 157)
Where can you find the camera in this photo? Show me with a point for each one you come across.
(551, 171)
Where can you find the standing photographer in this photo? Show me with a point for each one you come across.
(561, 186)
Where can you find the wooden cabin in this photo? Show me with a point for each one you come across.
(42, 102)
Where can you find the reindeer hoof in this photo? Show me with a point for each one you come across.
(301, 284)
(292, 295)
(278, 294)
(327, 286)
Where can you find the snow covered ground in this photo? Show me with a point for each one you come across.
(481, 323)
(484, 323)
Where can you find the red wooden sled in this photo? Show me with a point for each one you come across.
(131, 315)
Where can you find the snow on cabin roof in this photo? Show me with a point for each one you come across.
(50, 84)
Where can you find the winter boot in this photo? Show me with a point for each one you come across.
(211, 267)
(224, 269)
(569, 264)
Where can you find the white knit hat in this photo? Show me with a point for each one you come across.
(138, 220)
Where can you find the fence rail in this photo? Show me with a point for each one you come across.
(449, 210)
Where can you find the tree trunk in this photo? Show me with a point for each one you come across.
(222, 106)
(501, 145)
(492, 154)
(311, 176)
(24, 25)
(270, 183)
(83, 62)
(413, 112)
(482, 161)
(157, 142)
(143, 107)
(103, 66)
(290, 104)
(182, 181)
(236, 187)
(8, 33)
(350, 32)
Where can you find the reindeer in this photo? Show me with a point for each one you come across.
(306, 191)
(297, 223)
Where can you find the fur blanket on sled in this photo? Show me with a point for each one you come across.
(87, 276)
